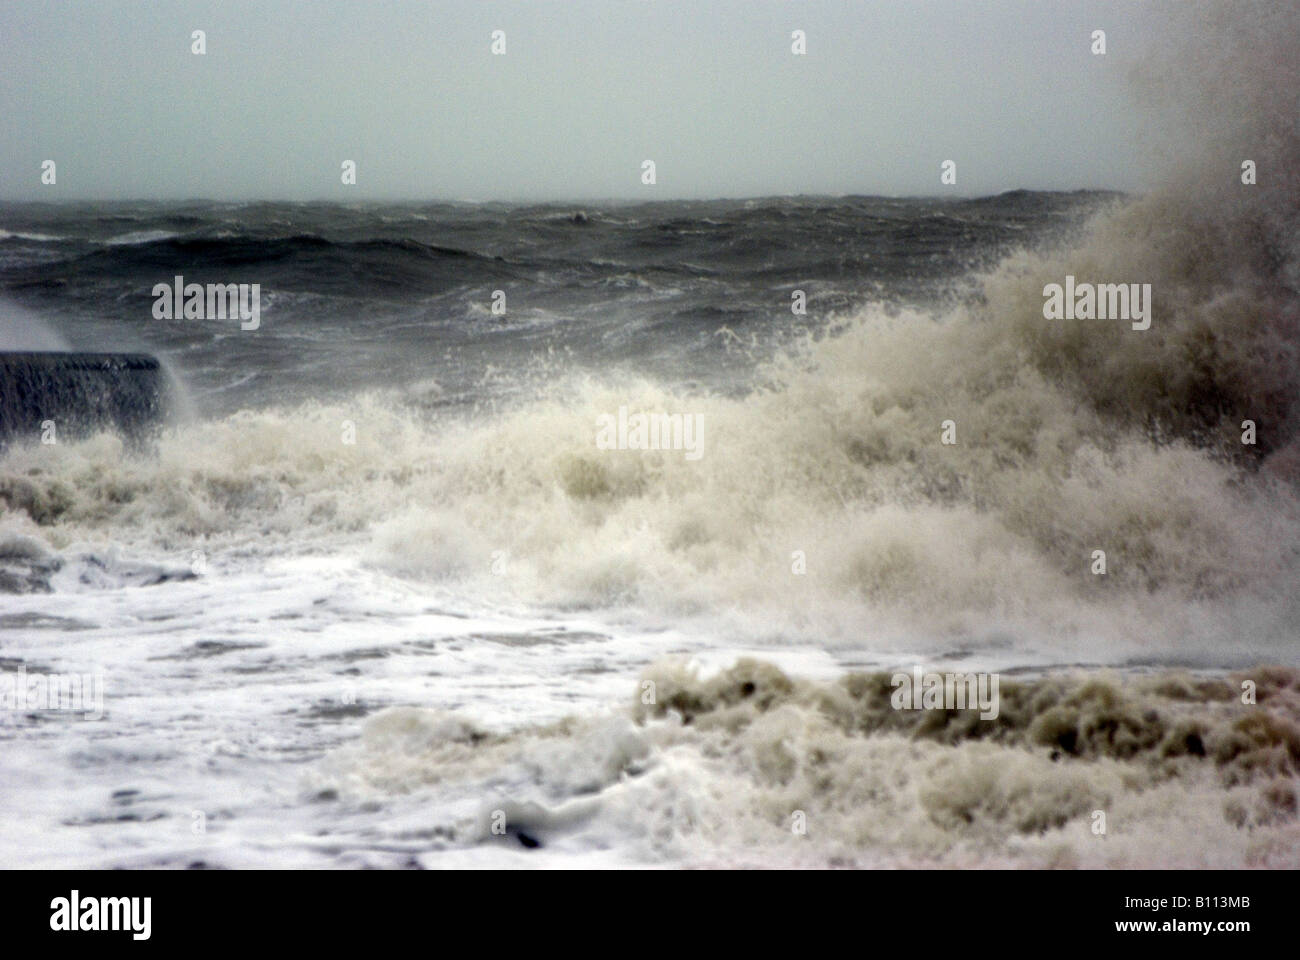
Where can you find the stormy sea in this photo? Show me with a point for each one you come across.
(614, 534)
(373, 585)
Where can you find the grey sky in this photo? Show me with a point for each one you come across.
(708, 89)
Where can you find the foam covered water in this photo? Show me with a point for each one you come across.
(386, 642)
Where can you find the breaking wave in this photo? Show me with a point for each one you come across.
(751, 767)
(1073, 436)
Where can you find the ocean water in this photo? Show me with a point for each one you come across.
(376, 589)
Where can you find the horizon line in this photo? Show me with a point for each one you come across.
(560, 201)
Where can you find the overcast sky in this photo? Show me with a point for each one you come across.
(708, 89)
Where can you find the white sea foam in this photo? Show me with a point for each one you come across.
(506, 571)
